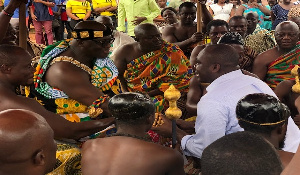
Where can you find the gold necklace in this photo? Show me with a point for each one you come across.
(71, 60)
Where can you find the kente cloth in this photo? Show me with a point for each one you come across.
(104, 74)
(280, 69)
(68, 159)
(260, 40)
(247, 59)
(159, 69)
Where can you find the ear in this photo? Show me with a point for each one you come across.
(281, 130)
(5, 69)
(215, 68)
(39, 158)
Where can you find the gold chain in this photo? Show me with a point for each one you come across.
(71, 60)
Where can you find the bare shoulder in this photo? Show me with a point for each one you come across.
(169, 29)
(267, 57)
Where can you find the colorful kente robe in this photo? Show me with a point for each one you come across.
(103, 75)
(159, 69)
(280, 69)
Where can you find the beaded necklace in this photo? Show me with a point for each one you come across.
(146, 138)
(74, 62)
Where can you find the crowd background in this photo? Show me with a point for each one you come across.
(53, 20)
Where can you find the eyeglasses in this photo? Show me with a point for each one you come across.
(104, 42)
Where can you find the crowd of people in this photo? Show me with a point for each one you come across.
(87, 95)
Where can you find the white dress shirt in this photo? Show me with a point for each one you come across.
(216, 115)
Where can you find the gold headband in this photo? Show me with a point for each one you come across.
(87, 34)
(261, 124)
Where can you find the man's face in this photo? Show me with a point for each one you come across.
(238, 25)
(216, 32)
(286, 36)
(151, 39)
(187, 15)
(271, 2)
(22, 71)
(202, 71)
(98, 47)
(169, 16)
(252, 20)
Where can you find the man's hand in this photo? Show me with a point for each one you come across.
(187, 126)
(165, 129)
(197, 37)
(138, 20)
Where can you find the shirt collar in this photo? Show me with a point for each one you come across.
(226, 77)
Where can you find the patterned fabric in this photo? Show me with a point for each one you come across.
(280, 69)
(260, 40)
(103, 75)
(159, 69)
(247, 59)
(68, 159)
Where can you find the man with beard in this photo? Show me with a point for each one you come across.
(267, 116)
(274, 66)
(151, 65)
(184, 34)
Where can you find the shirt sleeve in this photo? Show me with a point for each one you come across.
(155, 11)
(210, 125)
(68, 5)
(121, 17)
(88, 8)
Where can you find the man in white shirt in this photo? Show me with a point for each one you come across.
(216, 117)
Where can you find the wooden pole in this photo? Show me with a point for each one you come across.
(22, 27)
(199, 17)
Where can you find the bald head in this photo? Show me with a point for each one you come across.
(25, 136)
(222, 54)
(143, 29)
(292, 25)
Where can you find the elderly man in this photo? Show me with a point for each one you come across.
(134, 115)
(274, 65)
(258, 38)
(28, 146)
(218, 65)
(265, 115)
(184, 34)
(151, 65)
(79, 63)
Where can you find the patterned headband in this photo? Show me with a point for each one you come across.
(90, 34)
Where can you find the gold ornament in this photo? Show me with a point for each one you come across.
(93, 112)
(296, 86)
(172, 95)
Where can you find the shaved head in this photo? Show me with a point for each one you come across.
(106, 20)
(143, 29)
(222, 54)
(24, 137)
